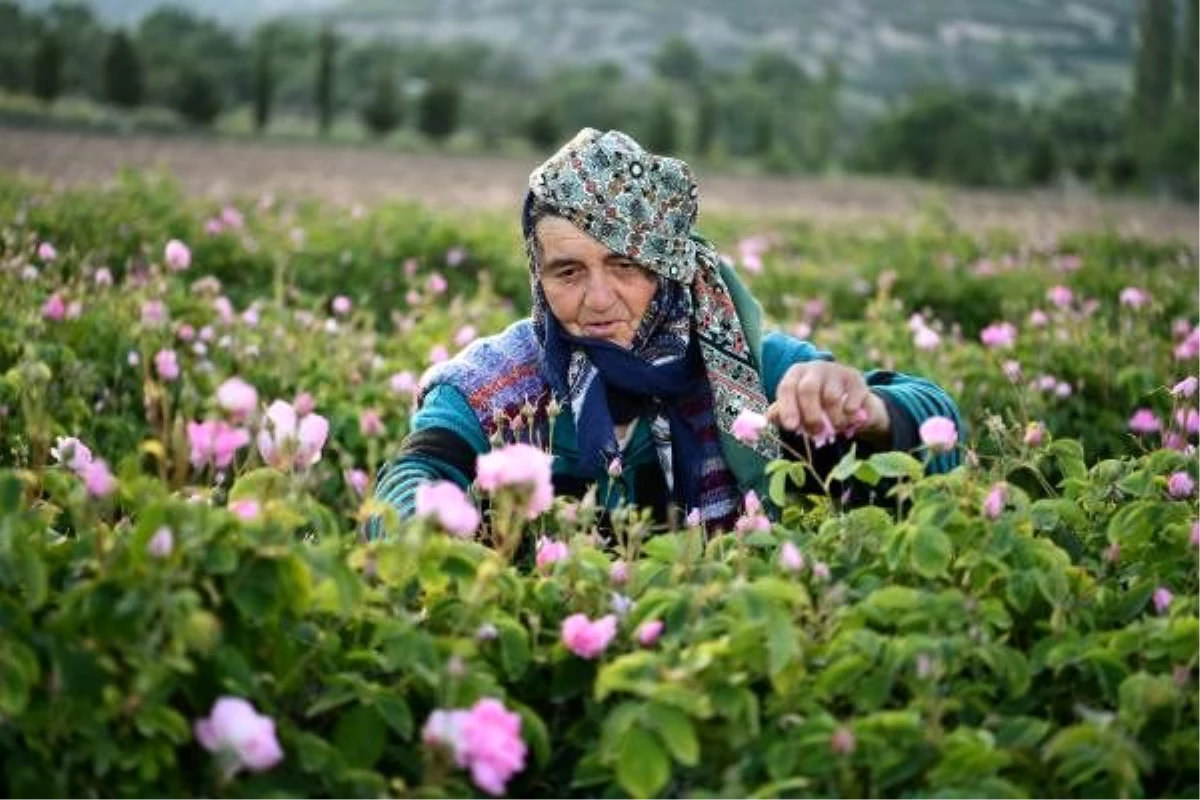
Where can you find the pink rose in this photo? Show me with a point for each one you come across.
(237, 397)
(748, 426)
(586, 638)
(450, 506)
(790, 557)
(520, 466)
(239, 733)
(993, 504)
(939, 434)
(177, 255)
(649, 631)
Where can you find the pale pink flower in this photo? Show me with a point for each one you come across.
(615, 468)
(237, 732)
(1038, 318)
(46, 252)
(153, 313)
(214, 442)
(465, 335)
(99, 481)
(550, 552)
(939, 434)
(520, 466)
(693, 518)
(993, 504)
(1134, 297)
(71, 453)
(790, 557)
(1035, 434)
(1144, 421)
(1060, 296)
(1000, 334)
(1189, 348)
(1162, 598)
(1195, 537)
(167, 365)
(55, 308)
(618, 573)
(1012, 369)
(285, 441)
(436, 283)
(926, 339)
(74, 309)
(177, 255)
(649, 631)
(246, 510)
(1186, 387)
(486, 739)
(842, 742)
(820, 570)
(103, 277)
(1188, 419)
(161, 543)
(748, 426)
(449, 506)
(237, 397)
(304, 404)
(232, 218)
(402, 383)
(455, 256)
(1180, 485)
(438, 353)
(224, 308)
(341, 305)
(369, 423)
(586, 638)
(358, 480)
(213, 226)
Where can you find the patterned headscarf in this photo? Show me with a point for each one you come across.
(644, 206)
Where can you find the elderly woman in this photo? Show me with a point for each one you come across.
(642, 349)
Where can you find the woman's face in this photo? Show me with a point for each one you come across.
(591, 290)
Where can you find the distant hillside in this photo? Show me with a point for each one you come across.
(885, 47)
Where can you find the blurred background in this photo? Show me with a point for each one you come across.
(1093, 97)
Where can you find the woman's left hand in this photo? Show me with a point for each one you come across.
(821, 398)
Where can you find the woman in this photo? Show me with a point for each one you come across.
(642, 349)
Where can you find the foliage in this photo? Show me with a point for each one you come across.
(383, 110)
(438, 109)
(46, 80)
(123, 81)
(938, 644)
(197, 99)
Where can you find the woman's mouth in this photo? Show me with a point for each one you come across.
(601, 330)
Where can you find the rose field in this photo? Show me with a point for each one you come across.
(197, 396)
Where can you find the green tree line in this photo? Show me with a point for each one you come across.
(769, 110)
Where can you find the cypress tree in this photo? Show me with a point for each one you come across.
(438, 114)
(264, 83)
(1153, 73)
(123, 84)
(383, 111)
(47, 68)
(326, 50)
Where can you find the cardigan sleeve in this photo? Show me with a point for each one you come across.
(443, 442)
(910, 400)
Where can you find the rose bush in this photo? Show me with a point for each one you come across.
(187, 609)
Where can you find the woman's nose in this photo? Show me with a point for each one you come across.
(598, 292)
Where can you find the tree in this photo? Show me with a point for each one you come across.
(1189, 58)
(707, 114)
(327, 44)
(383, 111)
(197, 98)
(264, 80)
(1152, 76)
(542, 127)
(662, 129)
(46, 70)
(439, 108)
(678, 60)
(123, 85)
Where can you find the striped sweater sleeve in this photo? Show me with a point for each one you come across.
(443, 441)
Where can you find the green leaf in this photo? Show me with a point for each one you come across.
(395, 713)
(665, 548)
(534, 732)
(360, 736)
(642, 767)
(11, 492)
(265, 483)
(846, 466)
(677, 733)
(930, 553)
(615, 726)
(894, 464)
(514, 647)
(18, 675)
(33, 575)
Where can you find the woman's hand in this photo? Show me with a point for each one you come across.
(821, 399)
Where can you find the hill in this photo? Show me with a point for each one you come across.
(1033, 48)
